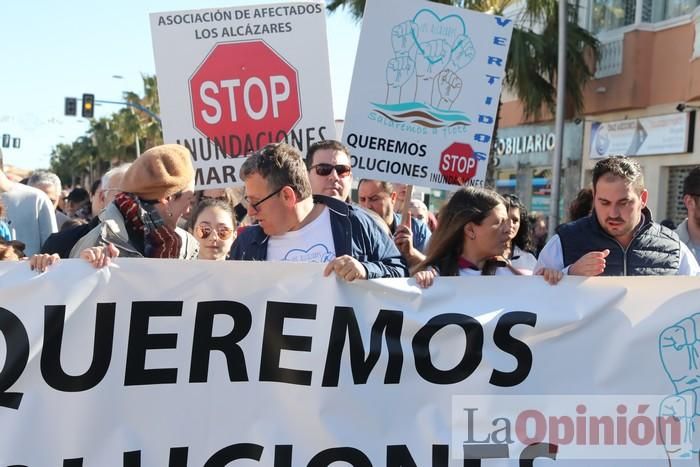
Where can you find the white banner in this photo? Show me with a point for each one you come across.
(169, 363)
(425, 92)
(231, 80)
(664, 134)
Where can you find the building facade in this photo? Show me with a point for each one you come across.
(642, 103)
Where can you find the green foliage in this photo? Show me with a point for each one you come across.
(112, 140)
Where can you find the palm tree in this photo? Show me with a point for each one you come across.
(111, 140)
(149, 128)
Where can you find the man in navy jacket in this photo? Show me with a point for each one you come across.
(294, 225)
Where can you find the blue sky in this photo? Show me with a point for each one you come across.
(51, 50)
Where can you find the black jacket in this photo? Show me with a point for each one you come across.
(64, 241)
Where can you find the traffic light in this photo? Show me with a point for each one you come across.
(88, 105)
(6, 141)
(71, 106)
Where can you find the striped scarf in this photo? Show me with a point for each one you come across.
(160, 241)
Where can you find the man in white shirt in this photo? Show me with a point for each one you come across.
(689, 230)
(294, 225)
(619, 238)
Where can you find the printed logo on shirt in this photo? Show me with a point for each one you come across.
(318, 253)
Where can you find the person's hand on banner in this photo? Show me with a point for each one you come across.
(402, 37)
(347, 268)
(551, 276)
(590, 264)
(100, 256)
(679, 347)
(40, 262)
(425, 279)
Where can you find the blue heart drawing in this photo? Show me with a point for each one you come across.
(318, 250)
(436, 19)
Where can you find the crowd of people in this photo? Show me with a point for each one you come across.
(296, 208)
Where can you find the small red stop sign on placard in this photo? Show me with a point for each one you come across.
(458, 163)
(245, 89)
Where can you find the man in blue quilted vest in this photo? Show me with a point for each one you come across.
(619, 237)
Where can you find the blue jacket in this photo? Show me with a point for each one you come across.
(354, 234)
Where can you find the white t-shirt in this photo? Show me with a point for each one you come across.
(313, 243)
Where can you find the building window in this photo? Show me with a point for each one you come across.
(612, 14)
(654, 11)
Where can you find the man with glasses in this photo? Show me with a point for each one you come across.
(380, 197)
(619, 238)
(689, 229)
(294, 225)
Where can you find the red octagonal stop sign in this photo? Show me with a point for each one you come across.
(458, 163)
(244, 96)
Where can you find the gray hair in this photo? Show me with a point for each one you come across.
(118, 170)
(45, 177)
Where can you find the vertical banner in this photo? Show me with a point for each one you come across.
(232, 80)
(425, 92)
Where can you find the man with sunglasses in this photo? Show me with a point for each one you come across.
(294, 225)
(330, 172)
(689, 229)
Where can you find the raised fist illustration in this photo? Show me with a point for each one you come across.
(462, 54)
(679, 347)
(446, 89)
(398, 71)
(403, 37)
(430, 60)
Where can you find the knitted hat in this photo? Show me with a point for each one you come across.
(159, 172)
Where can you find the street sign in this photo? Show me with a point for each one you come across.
(251, 76)
(458, 163)
(245, 89)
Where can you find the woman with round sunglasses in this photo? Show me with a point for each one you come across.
(214, 227)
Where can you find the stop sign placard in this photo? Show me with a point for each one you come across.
(245, 89)
(458, 163)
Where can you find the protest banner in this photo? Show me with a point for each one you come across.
(425, 93)
(184, 364)
(231, 80)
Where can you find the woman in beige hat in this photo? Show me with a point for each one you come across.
(142, 221)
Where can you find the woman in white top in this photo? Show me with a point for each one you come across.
(520, 244)
(472, 234)
(474, 228)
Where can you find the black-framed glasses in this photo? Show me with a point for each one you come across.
(324, 169)
(258, 203)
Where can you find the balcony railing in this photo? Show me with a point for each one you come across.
(610, 59)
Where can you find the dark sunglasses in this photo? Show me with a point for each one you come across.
(325, 169)
(204, 231)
